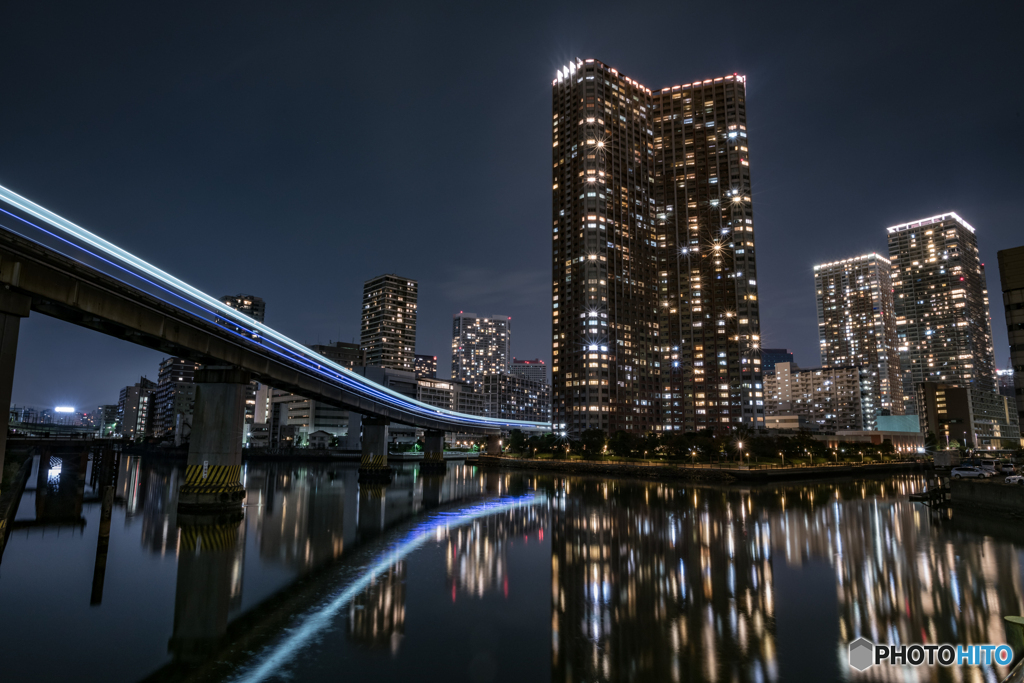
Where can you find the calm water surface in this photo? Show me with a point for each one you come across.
(488, 576)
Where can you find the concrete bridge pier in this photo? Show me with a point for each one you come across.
(213, 475)
(13, 307)
(433, 452)
(374, 462)
(493, 444)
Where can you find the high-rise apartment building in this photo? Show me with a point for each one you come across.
(509, 397)
(426, 366)
(388, 332)
(175, 396)
(534, 370)
(1011, 279)
(480, 346)
(857, 323)
(654, 288)
(831, 399)
(134, 409)
(252, 306)
(942, 318)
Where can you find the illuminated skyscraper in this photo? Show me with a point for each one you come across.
(388, 332)
(480, 346)
(654, 288)
(942, 318)
(857, 324)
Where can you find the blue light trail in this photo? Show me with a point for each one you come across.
(138, 274)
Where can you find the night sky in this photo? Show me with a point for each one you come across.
(294, 150)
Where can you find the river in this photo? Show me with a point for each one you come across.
(489, 575)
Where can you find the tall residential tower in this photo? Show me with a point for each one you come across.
(388, 332)
(480, 346)
(654, 287)
(942, 317)
(857, 324)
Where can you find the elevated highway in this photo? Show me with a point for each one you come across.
(51, 266)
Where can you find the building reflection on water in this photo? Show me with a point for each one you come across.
(376, 617)
(664, 582)
(649, 581)
(476, 554)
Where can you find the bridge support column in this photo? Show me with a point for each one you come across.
(493, 444)
(213, 475)
(433, 452)
(374, 463)
(13, 307)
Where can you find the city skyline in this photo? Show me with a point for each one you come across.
(241, 185)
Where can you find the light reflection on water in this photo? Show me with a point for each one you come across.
(596, 580)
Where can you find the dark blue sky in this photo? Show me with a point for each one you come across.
(293, 151)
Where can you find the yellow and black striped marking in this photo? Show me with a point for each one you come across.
(433, 457)
(214, 537)
(374, 462)
(372, 491)
(219, 479)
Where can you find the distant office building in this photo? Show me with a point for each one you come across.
(480, 346)
(509, 397)
(857, 323)
(343, 353)
(534, 370)
(449, 395)
(942, 318)
(829, 398)
(654, 300)
(252, 306)
(426, 366)
(769, 357)
(1005, 380)
(294, 419)
(435, 392)
(175, 396)
(105, 419)
(25, 414)
(134, 409)
(388, 331)
(1011, 279)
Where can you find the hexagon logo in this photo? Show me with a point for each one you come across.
(862, 654)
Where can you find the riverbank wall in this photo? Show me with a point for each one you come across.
(988, 496)
(671, 471)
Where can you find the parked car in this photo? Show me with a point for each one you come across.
(1015, 479)
(1007, 468)
(967, 473)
